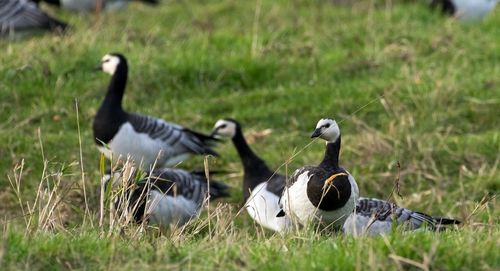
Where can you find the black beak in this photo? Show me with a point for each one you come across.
(98, 67)
(214, 132)
(316, 133)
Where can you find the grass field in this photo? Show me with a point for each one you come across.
(406, 84)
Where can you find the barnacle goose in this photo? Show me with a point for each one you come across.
(18, 15)
(325, 193)
(145, 139)
(262, 188)
(465, 10)
(376, 216)
(163, 197)
(91, 5)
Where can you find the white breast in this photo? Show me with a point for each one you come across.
(164, 210)
(263, 206)
(468, 10)
(295, 202)
(140, 147)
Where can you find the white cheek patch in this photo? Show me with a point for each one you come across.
(109, 64)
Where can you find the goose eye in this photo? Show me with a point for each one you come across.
(327, 125)
(223, 126)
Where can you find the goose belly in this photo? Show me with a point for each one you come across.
(263, 206)
(139, 147)
(164, 210)
(357, 225)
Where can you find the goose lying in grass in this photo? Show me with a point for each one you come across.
(91, 5)
(325, 193)
(465, 10)
(262, 187)
(20, 15)
(376, 216)
(147, 140)
(164, 197)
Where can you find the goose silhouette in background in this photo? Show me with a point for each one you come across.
(22, 15)
(92, 5)
(163, 197)
(375, 216)
(147, 140)
(262, 187)
(465, 10)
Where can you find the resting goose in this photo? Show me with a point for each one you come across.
(465, 10)
(375, 216)
(325, 193)
(91, 5)
(262, 187)
(144, 139)
(164, 197)
(18, 15)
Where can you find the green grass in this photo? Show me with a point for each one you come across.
(405, 84)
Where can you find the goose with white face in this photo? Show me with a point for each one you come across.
(327, 129)
(224, 128)
(109, 63)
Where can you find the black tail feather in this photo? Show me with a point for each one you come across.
(281, 213)
(201, 172)
(57, 26)
(150, 2)
(218, 190)
(443, 223)
(447, 221)
(208, 142)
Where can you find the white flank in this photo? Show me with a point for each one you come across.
(263, 206)
(90, 5)
(140, 147)
(469, 10)
(164, 210)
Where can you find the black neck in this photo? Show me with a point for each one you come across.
(111, 116)
(116, 88)
(255, 169)
(331, 158)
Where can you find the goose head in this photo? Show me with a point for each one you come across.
(225, 128)
(327, 129)
(110, 62)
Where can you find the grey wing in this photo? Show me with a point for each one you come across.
(178, 182)
(382, 210)
(23, 14)
(173, 135)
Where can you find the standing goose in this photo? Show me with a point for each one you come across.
(166, 196)
(376, 216)
(18, 15)
(325, 193)
(92, 5)
(465, 10)
(262, 188)
(145, 139)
